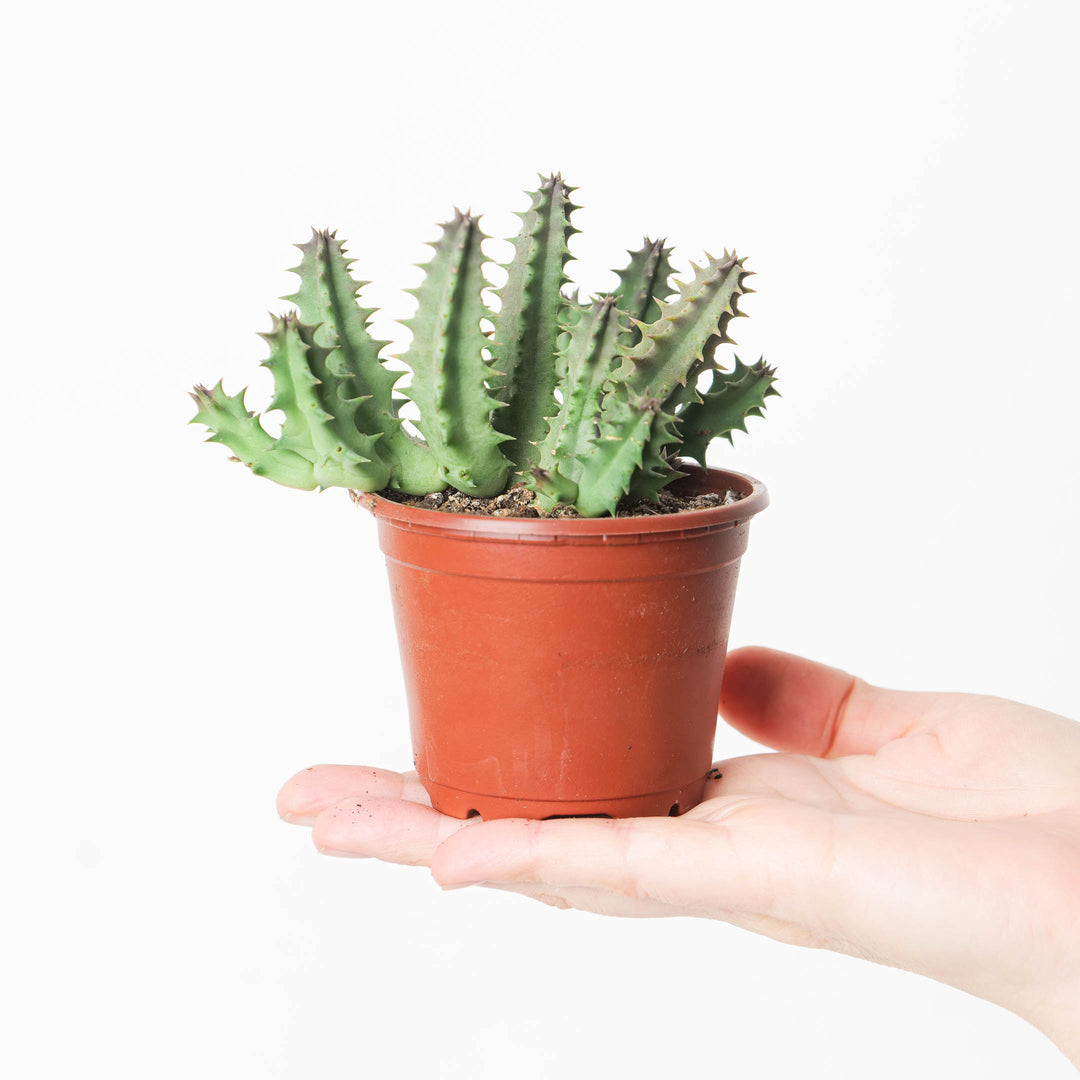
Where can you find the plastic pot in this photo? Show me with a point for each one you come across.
(565, 666)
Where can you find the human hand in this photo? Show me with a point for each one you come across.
(934, 832)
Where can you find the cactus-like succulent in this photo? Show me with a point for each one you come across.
(584, 402)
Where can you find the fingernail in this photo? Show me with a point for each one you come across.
(459, 885)
(343, 854)
(297, 819)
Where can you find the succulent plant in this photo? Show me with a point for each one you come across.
(584, 402)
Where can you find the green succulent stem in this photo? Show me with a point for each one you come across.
(729, 400)
(527, 324)
(643, 285)
(328, 301)
(240, 430)
(585, 364)
(587, 403)
(314, 391)
(449, 366)
(633, 414)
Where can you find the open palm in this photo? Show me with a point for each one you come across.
(934, 832)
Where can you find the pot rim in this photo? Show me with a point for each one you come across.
(755, 499)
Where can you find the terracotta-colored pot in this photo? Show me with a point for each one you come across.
(565, 666)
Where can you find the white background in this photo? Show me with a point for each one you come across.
(182, 637)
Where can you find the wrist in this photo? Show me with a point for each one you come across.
(1057, 1016)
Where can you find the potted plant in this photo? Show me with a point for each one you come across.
(563, 636)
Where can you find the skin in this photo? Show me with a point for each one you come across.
(939, 833)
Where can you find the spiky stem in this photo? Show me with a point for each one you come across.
(449, 367)
(328, 301)
(584, 366)
(730, 399)
(235, 427)
(643, 285)
(633, 412)
(528, 322)
(313, 388)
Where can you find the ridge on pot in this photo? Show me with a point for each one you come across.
(565, 666)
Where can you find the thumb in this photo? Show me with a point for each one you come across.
(802, 707)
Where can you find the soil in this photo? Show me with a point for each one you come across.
(518, 502)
